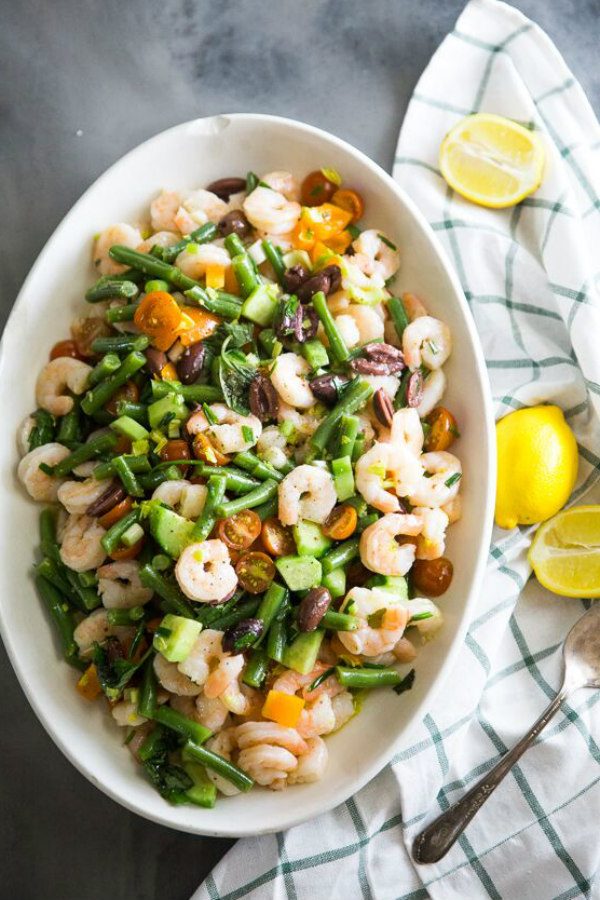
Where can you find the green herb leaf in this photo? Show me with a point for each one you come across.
(387, 242)
(406, 683)
(235, 376)
(453, 479)
(210, 416)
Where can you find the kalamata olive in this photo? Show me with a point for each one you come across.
(379, 359)
(294, 277)
(263, 398)
(114, 494)
(327, 280)
(225, 187)
(287, 319)
(414, 389)
(156, 360)
(242, 635)
(327, 388)
(432, 577)
(306, 324)
(312, 608)
(383, 407)
(234, 222)
(189, 364)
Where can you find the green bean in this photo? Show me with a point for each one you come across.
(129, 616)
(337, 344)
(95, 399)
(111, 289)
(147, 702)
(58, 609)
(220, 765)
(236, 481)
(272, 600)
(233, 244)
(137, 411)
(107, 365)
(69, 429)
(359, 446)
(122, 343)
(215, 486)
(121, 313)
(152, 743)
(257, 668)
(191, 393)
(347, 431)
(152, 480)
(276, 640)
(48, 532)
(366, 678)
(137, 464)
(354, 397)
(157, 284)
(150, 578)
(267, 510)
(86, 598)
(53, 571)
(365, 521)
(174, 720)
(149, 265)
(161, 562)
(245, 274)
(43, 431)
(204, 234)
(398, 313)
(251, 463)
(112, 538)
(339, 621)
(128, 479)
(340, 555)
(262, 493)
(244, 610)
(274, 256)
(86, 451)
(218, 302)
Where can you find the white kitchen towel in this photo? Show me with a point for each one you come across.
(531, 277)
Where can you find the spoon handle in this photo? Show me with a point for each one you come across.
(435, 840)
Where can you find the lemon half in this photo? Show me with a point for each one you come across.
(565, 554)
(491, 160)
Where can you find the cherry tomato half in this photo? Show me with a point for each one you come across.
(317, 188)
(340, 523)
(277, 539)
(176, 449)
(66, 348)
(116, 513)
(204, 450)
(432, 576)
(84, 332)
(255, 571)
(442, 430)
(127, 552)
(351, 201)
(129, 391)
(241, 530)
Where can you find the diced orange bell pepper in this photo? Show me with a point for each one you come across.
(283, 708)
(231, 285)
(320, 253)
(203, 325)
(88, 685)
(159, 316)
(339, 243)
(326, 220)
(303, 237)
(215, 276)
(168, 372)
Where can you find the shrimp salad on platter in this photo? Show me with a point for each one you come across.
(247, 480)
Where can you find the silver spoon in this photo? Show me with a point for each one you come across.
(581, 659)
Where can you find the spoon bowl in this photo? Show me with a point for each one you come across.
(581, 652)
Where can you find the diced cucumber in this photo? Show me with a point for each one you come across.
(315, 354)
(297, 258)
(302, 653)
(310, 540)
(133, 534)
(170, 530)
(343, 477)
(395, 584)
(299, 572)
(130, 428)
(171, 404)
(175, 637)
(203, 792)
(261, 305)
(335, 582)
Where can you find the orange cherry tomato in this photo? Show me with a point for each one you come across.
(303, 237)
(175, 449)
(158, 315)
(277, 539)
(204, 450)
(351, 201)
(116, 513)
(127, 552)
(340, 523)
(326, 220)
(204, 324)
(84, 332)
(255, 571)
(129, 391)
(88, 685)
(317, 188)
(442, 430)
(241, 530)
(66, 348)
(123, 444)
(432, 576)
(339, 243)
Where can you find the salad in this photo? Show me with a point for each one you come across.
(244, 467)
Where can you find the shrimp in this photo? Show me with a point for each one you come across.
(292, 682)
(379, 551)
(441, 467)
(76, 496)
(371, 475)
(163, 210)
(95, 628)
(267, 765)
(407, 431)
(251, 734)
(42, 487)
(195, 259)
(453, 509)
(426, 341)
(404, 651)
(290, 379)
(368, 640)
(338, 302)
(224, 744)
(429, 624)
(304, 424)
(375, 257)
(24, 433)
(414, 307)
(208, 665)
(343, 709)
(389, 383)
(186, 498)
(211, 712)
(270, 211)
(114, 234)
(433, 391)
(307, 492)
(198, 208)
(126, 715)
(56, 378)
(312, 764)
(360, 325)
(204, 572)
(431, 541)
(229, 435)
(160, 239)
(284, 183)
(172, 679)
(120, 587)
(81, 549)
(317, 717)
(272, 446)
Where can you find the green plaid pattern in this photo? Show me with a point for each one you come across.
(531, 276)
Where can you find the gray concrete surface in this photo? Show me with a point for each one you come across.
(83, 82)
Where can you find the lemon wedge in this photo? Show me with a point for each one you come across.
(565, 554)
(491, 160)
